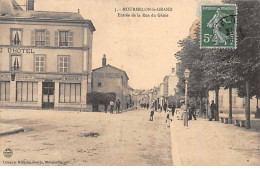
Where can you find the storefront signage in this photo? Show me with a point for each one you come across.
(72, 78)
(4, 76)
(25, 77)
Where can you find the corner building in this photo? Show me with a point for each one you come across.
(45, 58)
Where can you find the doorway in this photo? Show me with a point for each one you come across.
(48, 89)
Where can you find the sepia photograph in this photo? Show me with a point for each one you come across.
(129, 83)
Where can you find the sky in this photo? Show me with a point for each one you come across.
(143, 47)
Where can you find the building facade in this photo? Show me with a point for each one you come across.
(169, 85)
(238, 103)
(46, 58)
(109, 79)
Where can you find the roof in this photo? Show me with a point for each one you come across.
(10, 10)
(112, 68)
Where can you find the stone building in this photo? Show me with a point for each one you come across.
(170, 83)
(238, 103)
(109, 79)
(46, 57)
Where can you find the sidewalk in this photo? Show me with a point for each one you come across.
(6, 129)
(213, 143)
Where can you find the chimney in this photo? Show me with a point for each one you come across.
(104, 61)
(173, 70)
(29, 5)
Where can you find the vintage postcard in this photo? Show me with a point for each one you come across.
(129, 83)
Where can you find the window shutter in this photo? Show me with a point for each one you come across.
(47, 38)
(70, 38)
(56, 38)
(33, 37)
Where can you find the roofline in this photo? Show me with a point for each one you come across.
(88, 22)
(112, 67)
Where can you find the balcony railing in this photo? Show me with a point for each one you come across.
(40, 43)
(64, 43)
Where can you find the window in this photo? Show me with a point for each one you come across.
(26, 91)
(63, 38)
(16, 63)
(4, 91)
(70, 92)
(99, 84)
(40, 38)
(16, 36)
(39, 63)
(64, 64)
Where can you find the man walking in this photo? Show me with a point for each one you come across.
(165, 107)
(173, 109)
(151, 113)
(192, 111)
(118, 106)
(111, 106)
(213, 108)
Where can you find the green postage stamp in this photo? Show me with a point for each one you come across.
(218, 26)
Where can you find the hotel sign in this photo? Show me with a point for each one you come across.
(18, 50)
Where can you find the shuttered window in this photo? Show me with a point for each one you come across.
(64, 38)
(40, 37)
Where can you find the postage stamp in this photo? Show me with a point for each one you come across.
(218, 26)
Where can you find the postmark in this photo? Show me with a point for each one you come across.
(218, 26)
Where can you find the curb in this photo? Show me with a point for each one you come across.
(11, 132)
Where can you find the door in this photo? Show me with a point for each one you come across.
(48, 89)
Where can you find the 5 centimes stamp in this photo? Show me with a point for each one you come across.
(218, 26)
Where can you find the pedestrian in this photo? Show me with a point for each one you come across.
(151, 113)
(213, 108)
(118, 106)
(165, 107)
(168, 119)
(192, 111)
(173, 108)
(147, 106)
(111, 106)
(184, 113)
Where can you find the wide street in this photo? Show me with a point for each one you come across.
(86, 138)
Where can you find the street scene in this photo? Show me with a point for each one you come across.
(119, 83)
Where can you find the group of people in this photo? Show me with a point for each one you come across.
(167, 109)
(112, 104)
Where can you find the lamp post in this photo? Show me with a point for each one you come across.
(186, 76)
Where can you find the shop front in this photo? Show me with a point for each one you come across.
(43, 91)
